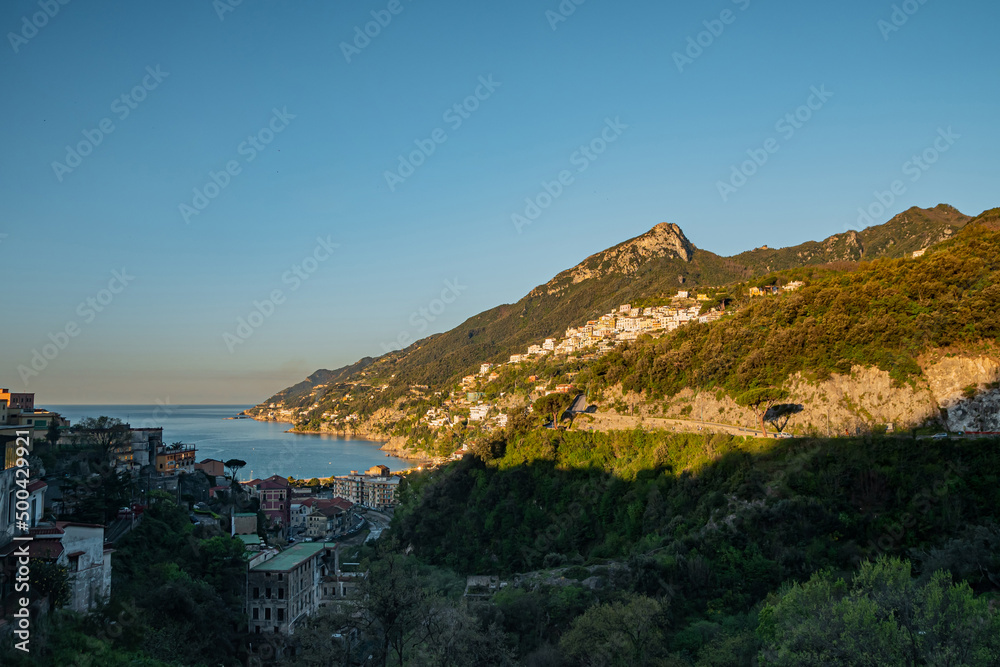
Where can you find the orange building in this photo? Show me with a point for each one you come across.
(173, 459)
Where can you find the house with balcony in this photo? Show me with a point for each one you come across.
(175, 458)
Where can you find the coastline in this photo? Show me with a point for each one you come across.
(395, 445)
(392, 445)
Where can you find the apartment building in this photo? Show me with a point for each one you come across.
(284, 590)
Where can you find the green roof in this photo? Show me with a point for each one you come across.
(249, 539)
(291, 558)
(244, 514)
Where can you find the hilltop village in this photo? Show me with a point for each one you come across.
(470, 401)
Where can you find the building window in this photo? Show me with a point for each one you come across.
(256, 592)
(267, 593)
(281, 614)
(267, 614)
(256, 613)
(281, 593)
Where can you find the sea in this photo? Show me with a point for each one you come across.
(265, 446)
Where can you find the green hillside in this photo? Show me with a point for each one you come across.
(882, 313)
(906, 233)
(654, 264)
(719, 531)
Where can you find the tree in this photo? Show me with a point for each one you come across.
(110, 434)
(780, 414)
(553, 405)
(328, 638)
(390, 601)
(884, 617)
(52, 433)
(760, 401)
(626, 634)
(456, 638)
(52, 580)
(234, 466)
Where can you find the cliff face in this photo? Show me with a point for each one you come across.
(966, 389)
(960, 392)
(664, 241)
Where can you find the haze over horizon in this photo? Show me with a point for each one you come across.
(171, 169)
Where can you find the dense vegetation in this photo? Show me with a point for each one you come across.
(177, 599)
(697, 534)
(884, 314)
(911, 230)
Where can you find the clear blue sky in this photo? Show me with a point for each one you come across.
(189, 278)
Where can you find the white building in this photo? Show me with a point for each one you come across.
(80, 548)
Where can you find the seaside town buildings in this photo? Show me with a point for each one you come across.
(275, 496)
(81, 549)
(286, 588)
(375, 488)
(211, 467)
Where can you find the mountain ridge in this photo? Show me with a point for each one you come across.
(659, 261)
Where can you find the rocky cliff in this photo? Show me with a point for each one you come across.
(959, 391)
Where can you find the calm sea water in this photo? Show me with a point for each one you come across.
(265, 446)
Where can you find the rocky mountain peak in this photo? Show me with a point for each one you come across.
(663, 240)
(664, 237)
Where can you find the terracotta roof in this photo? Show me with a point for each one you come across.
(328, 511)
(63, 524)
(37, 484)
(45, 549)
(278, 479)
